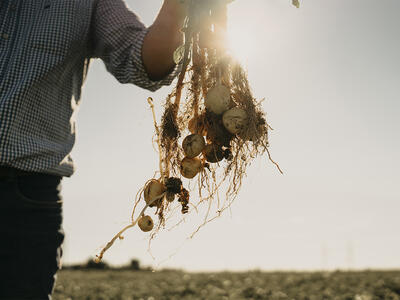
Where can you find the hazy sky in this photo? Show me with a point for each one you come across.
(330, 73)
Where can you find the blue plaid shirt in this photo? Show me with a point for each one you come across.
(45, 50)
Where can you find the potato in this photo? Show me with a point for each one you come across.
(146, 223)
(153, 189)
(213, 153)
(190, 167)
(235, 120)
(218, 99)
(193, 145)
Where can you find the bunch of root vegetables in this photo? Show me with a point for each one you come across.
(211, 129)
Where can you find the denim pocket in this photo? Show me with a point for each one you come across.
(39, 191)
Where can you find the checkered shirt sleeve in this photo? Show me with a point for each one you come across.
(45, 51)
(118, 37)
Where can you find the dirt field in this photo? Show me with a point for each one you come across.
(124, 285)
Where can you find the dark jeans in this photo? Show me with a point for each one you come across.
(30, 236)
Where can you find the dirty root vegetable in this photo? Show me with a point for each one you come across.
(213, 153)
(153, 189)
(210, 83)
(216, 131)
(218, 99)
(235, 120)
(146, 223)
(170, 197)
(190, 167)
(193, 145)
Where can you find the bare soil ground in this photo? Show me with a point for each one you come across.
(146, 285)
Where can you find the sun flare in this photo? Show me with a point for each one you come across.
(241, 41)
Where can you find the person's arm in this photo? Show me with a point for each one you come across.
(131, 52)
(163, 37)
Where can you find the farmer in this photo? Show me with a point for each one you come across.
(45, 50)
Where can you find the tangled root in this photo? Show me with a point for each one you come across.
(226, 155)
(170, 129)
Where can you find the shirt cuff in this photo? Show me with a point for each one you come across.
(147, 83)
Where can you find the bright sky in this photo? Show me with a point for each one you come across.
(330, 73)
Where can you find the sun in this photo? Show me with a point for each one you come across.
(241, 43)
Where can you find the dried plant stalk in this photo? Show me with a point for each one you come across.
(207, 68)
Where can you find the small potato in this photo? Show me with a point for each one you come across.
(235, 120)
(170, 197)
(190, 167)
(218, 99)
(146, 223)
(153, 189)
(193, 145)
(213, 153)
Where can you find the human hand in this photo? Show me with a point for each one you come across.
(178, 8)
